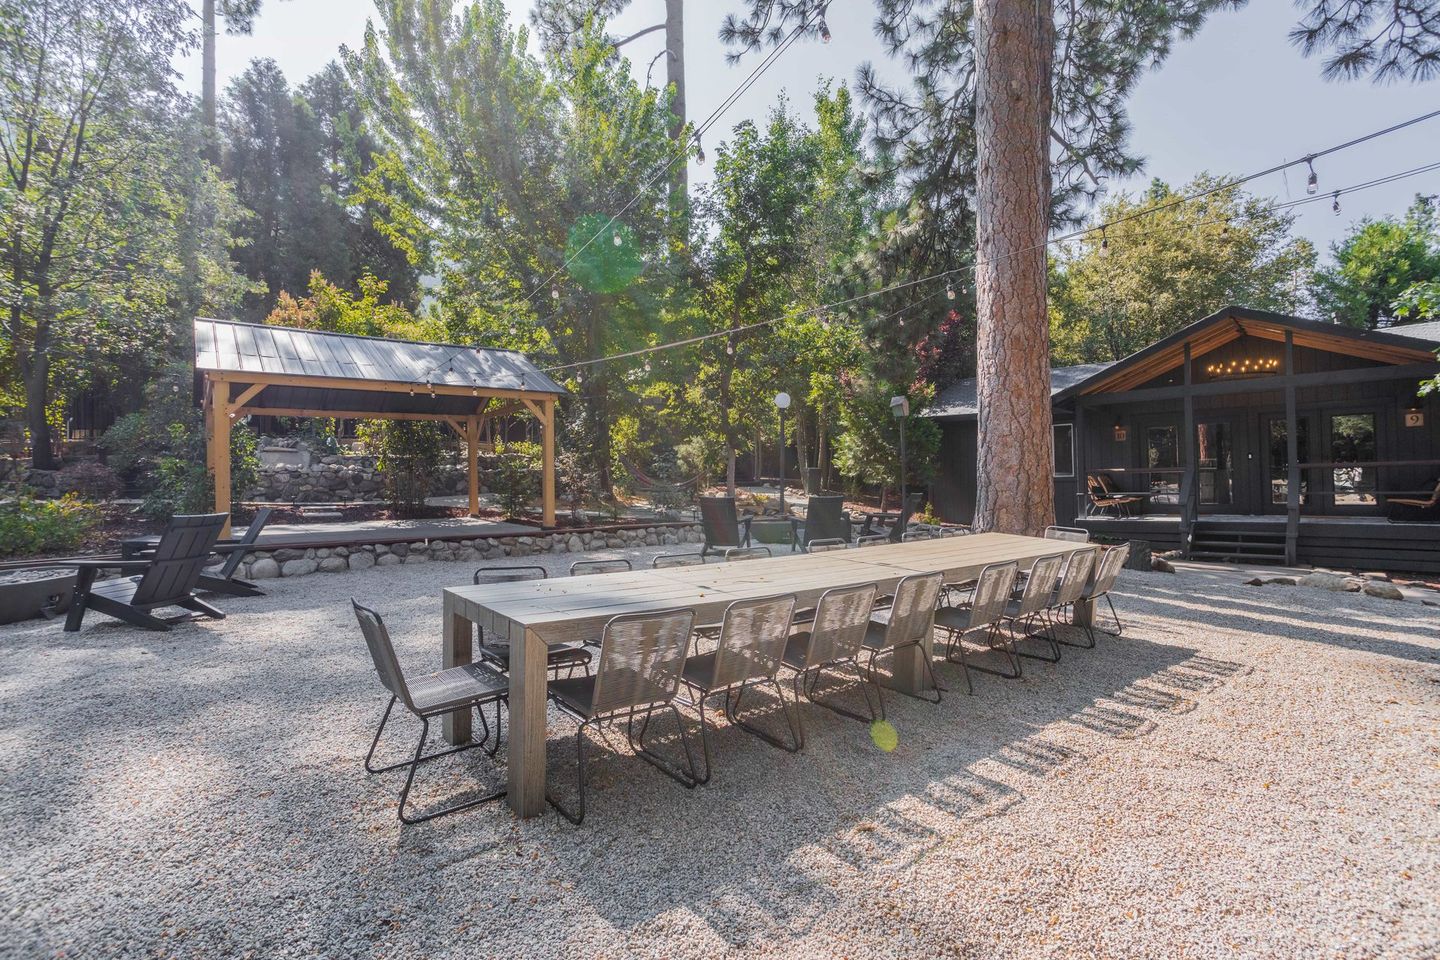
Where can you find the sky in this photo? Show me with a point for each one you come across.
(1234, 99)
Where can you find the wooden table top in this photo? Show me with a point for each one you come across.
(569, 608)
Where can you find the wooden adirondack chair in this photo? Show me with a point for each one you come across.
(166, 578)
(724, 527)
(234, 549)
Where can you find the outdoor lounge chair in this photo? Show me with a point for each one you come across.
(1105, 576)
(165, 577)
(233, 549)
(905, 623)
(825, 520)
(832, 639)
(1102, 497)
(471, 687)
(641, 657)
(980, 614)
(560, 656)
(1412, 509)
(752, 641)
(724, 527)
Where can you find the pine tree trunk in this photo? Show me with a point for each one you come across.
(207, 81)
(675, 76)
(1014, 44)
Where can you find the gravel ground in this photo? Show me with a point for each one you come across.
(1246, 772)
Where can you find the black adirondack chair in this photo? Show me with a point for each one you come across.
(234, 549)
(724, 527)
(825, 519)
(912, 505)
(166, 578)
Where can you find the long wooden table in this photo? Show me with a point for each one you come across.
(534, 613)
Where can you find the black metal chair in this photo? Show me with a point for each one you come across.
(641, 659)
(166, 577)
(560, 656)
(471, 687)
(724, 527)
(586, 568)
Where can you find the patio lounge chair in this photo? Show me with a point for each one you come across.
(234, 549)
(641, 657)
(165, 577)
(752, 641)
(455, 688)
(724, 527)
(905, 623)
(980, 614)
(560, 656)
(1102, 497)
(1414, 509)
(831, 640)
(825, 520)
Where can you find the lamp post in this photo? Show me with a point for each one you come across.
(900, 409)
(782, 403)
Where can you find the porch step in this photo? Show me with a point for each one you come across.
(1238, 543)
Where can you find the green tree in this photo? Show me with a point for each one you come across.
(1171, 264)
(1386, 39)
(1376, 263)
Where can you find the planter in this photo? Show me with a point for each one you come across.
(25, 599)
(770, 532)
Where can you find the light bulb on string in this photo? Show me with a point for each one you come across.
(514, 330)
(730, 349)
(615, 239)
(949, 291)
(700, 152)
(1335, 201)
(412, 391)
(1312, 183)
(432, 389)
(824, 31)
(554, 293)
(1104, 243)
(647, 366)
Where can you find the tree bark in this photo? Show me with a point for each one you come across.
(675, 76)
(34, 368)
(207, 81)
(1015, 45)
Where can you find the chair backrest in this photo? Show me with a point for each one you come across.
(753, 635)
(1079, 568)
(382, 652)
(1040, 584)
(720, 521)
(510, 574)
(1095, 488)
(747, 553)
(642, 656)
(872, 540)
(585, 568)
(911, 506)
(1109, 570)
(841, 620)
(1075, 534)
(820, 546)
(252, 532)
(179, 559)
(912, 612)
(825, 519)
(992, 593)
(677, 560)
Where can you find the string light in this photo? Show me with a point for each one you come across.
(949, 291)
(1312, 183)
(616, 239)
(730, 349)
(1104, 243)
(412, 391)
(431, 387)
(824, 31)
(700, 152)
(1335, 201)
(514, 330)
(554, 293)
(647, 366)
(1225, 228)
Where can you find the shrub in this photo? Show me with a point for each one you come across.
(515, 477)
(90, 479)
(31, 526)
(407, 453)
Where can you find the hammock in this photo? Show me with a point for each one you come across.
(648, 482)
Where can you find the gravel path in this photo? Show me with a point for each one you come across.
(1247, 772)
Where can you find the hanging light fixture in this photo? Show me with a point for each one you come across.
(949, 291)
(554, 293)
(1104, 243)
(514, 330)
(647, 366)
(730, 349)
(700, 152)
(1312, 183)
(824, 30)
(1335, 201)
(1225, 228)
(432, 389)
(615, 239)
(412, 390)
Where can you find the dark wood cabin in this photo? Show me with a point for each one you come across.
(1247, 435)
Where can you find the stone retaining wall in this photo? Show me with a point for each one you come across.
(344, 479)
(301, 561)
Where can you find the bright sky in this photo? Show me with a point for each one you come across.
(1236, 99)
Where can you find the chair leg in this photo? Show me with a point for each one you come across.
(1119, 627)
(929, 672)
(1005, 647)
(1030, 634)
(1087, 644)
(578, 817)
(686, 777)
(385, 718)
(732, 714)
(813, 676)
(201, 607)
(955, 653)
(420, 758)
(79, 599)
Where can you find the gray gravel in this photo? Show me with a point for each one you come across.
(1247, 772)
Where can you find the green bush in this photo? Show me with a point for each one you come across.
(515, 476)
(31, 526)
(408, 454)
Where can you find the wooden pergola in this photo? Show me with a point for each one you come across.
(243, 369)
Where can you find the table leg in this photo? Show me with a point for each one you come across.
(528, 684)
(1084, 613)
(458, 639)
(910, 673)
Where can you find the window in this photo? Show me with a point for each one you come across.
(1162, 454)
(1064, 442)
(1213, 447)
(1352, 440)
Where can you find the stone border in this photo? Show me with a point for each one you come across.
(301, 561)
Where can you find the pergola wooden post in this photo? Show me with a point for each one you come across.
(256, 369)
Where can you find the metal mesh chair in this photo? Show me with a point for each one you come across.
(496, 652)
(1033, 603)
(872, 540)
(1105, 576)
(665, 560)
(1075, 534)
(1074, 581)
(470, 687)
(821, 546)
(641, 659)
(747, 553)
(905, 623)
(752, 642)
(981, 614)
(585, 568)
(831, 640)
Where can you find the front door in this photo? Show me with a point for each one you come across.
(1215, 451)
(1275, 477)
